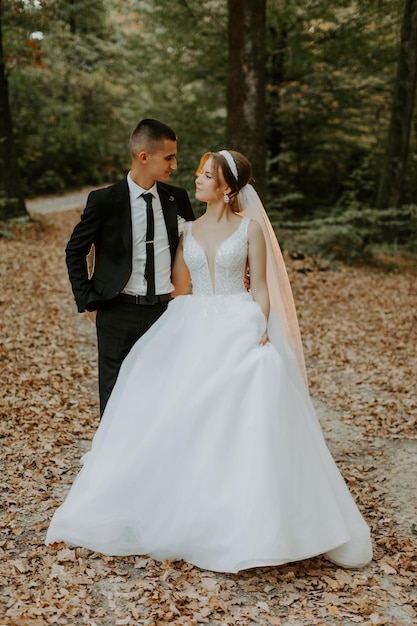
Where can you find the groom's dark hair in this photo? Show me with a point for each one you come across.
(149, 134)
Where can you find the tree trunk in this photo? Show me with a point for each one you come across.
(245, 129)
(393, 171)
(275, 77)
(12, 202)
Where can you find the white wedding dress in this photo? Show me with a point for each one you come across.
(209, 449)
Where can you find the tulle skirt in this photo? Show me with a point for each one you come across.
(210, 451)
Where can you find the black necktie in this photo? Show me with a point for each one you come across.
(150, 258)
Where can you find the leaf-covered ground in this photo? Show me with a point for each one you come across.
(359, 328)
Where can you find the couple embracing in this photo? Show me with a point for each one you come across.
(209, 448)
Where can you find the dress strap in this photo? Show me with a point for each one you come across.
(187, 228)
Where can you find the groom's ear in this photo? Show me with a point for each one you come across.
(142, 156)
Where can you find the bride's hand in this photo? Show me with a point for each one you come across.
(246, 280)
(264, 339)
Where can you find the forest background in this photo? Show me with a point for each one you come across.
(81, 73)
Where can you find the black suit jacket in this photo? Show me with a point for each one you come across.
(106, 223)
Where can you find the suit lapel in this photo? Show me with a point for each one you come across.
(169, 209)
(122, 206)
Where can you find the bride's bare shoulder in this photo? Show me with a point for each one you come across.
(254, 229)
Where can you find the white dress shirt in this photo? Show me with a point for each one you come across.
(136, 285)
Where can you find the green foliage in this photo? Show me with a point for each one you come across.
(331, 69)
(354, 234)
(106, 65)
(67, 142)
(65, 108)
(81, 17)
(359, 187)
(181, 74)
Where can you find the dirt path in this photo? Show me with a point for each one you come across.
(362, 379)
(63, 202)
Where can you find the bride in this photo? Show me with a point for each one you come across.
(209, 449)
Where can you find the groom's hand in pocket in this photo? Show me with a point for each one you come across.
(92, 315)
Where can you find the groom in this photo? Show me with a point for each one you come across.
(134, 239)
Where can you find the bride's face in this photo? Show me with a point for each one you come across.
(208, 187)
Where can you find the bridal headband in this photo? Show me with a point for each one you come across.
(230, 162)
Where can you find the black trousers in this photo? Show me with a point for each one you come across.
(119, 326)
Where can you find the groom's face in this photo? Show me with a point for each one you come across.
(162, 161)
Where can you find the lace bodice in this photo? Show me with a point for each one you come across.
(229, 264)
